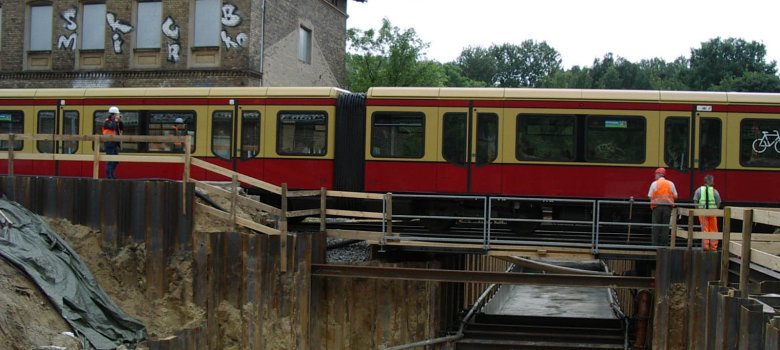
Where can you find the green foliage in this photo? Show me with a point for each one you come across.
(389, 57)
(394, 57)
(718, 60)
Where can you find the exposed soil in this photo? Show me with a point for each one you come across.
(29, 321)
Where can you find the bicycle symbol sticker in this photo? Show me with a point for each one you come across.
(767, 140)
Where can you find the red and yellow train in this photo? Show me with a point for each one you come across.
(557, 143)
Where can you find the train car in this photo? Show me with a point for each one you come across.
(579, 144)
(268, 133)
(535, 143)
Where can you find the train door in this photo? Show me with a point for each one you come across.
(235, 137)
(470, 147)
(709, 138)
(57, 119)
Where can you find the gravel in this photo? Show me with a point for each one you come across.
(345, 252)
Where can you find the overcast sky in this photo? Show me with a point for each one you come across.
(580, 30)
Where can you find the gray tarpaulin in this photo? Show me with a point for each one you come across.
(30, 244)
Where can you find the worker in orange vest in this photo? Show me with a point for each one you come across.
(112, 126)
(662, 194)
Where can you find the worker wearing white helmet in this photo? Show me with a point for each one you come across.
(179, 129)
(112, 126)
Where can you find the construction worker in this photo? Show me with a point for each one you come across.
(662, 194)
(179, 129)
(112, 126)
(707, 197)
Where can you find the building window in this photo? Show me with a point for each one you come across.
(148, 19)
(304, 45)
(40, 28)
(207, 23)
(94, 28)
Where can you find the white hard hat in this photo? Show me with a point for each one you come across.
(179, 121)
(113, 110)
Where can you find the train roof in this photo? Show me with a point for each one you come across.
(574, 94)
(313, 92)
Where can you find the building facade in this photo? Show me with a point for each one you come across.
(149, 43)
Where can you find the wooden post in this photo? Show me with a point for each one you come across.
(690, 229)
(11, 138)
(233, 202)
(96, 160)
(744, 268)
(724, 254)
(673, 223)
(186, 176)
(283, 231)
(323, 204)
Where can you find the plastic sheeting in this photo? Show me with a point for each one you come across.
(29, 243)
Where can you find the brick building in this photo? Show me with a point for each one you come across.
(134, 43)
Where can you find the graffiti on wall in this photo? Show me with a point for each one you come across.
(231, 18)
(171, 31)
(118, 29)
(68, 42)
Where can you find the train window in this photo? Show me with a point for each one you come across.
(615, 139)
(70, 126)
(250, 134)
(222, 133)
(487, 138)
(759, 143)
(11, 122)
(302, 133)
(453, 145)
(398, 134)
(45, 126)
(546, 137)
(676, 139)
(164, 123)
(710, 139)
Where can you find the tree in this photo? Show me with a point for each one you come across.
(525, 65)
(718, 60)
(389, 57)
(618, 73)
(666, 76)
(455, 77)
(477, 64)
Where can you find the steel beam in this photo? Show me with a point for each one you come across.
(350, 271)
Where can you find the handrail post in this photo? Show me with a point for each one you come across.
(283, 230)
(724, 254)
(11, 147)
(690, 229)
(96, 160)
(389, 213)
(233, 201)
(323, 209)
(744, 268)
(186, 174)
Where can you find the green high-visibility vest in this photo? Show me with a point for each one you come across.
(707, 198)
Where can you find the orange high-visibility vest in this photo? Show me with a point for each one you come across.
(107, 131)
(663, 194)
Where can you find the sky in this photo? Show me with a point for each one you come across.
(580, 30)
